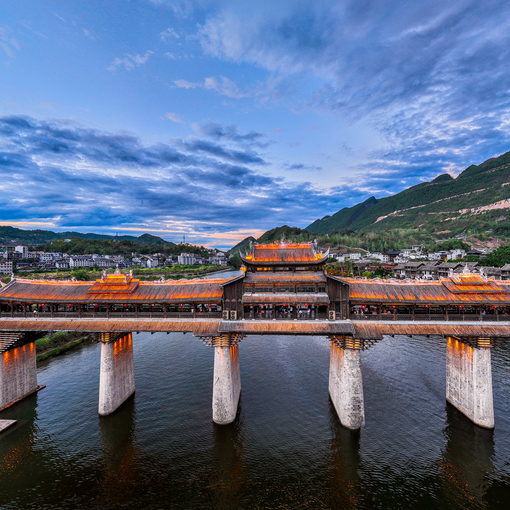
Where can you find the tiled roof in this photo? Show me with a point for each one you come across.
(288, 253)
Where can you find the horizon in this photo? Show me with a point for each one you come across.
(190, 118)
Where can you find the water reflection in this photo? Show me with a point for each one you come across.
(344, 464)
(120, 455)
(18, 442)
(466, 464)
(228, 476)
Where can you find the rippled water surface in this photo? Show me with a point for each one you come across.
(286, 449)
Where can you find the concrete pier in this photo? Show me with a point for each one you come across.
(117, 376)
(345, 382)
(226, 382)
(469, 379)
(18, 376)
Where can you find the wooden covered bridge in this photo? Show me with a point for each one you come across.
(282, 289)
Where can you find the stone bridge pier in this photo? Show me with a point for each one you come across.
(469, 378)
(18, 376)
(117, 376)
(226, 377)
(345, 380)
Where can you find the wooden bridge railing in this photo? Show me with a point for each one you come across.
(218, 315)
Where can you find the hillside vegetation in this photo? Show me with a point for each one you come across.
(474, 204)
(33, 237)
(77, 246)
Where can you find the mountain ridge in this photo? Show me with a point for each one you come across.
(11, 235)
(467, 204)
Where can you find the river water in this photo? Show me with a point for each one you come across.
(286, 450)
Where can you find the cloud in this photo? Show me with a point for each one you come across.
(130, 61)
(180, 8)
(184, 84)
(174, 117)
(88, 34)
(169, 33)
(8, 43)
(430, 77)
(230, 133)
(221, 84)
(302, 167)
(77, 177)
(213, 149)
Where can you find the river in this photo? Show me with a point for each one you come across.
(286, 450)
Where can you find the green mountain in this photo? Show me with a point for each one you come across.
(475, 204)
(242, 245)
(12, 235)
(285, 232)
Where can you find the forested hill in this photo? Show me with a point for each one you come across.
(13, 235)
(475, 203)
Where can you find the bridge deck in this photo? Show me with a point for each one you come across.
(210, 327)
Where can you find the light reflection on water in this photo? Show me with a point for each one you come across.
(285, 450)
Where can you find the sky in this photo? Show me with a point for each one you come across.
(216, 120)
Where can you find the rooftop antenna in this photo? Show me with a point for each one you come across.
(183, 238)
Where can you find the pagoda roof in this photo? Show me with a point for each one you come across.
(284, 253)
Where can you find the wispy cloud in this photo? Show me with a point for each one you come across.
(169, 33)
(8, 43)
(174, 117)
(231, 133)
(221, 84)
(130, 61)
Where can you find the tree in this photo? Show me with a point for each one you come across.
(499, 257)
(81, 275)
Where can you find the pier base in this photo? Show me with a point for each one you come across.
(346, 383)
(469, 379)
(117, 376)
(226, 382)
(18, 376)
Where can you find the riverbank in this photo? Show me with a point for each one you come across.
(60, 342)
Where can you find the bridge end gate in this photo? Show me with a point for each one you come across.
(18, 375)
(469, 378)
(345, 380)
(117, 376)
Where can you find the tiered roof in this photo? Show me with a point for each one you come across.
(284, 253)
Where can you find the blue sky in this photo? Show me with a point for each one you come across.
(220, 119)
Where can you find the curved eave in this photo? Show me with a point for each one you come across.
(115, 300)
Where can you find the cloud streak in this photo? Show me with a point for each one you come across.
(130, 61)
